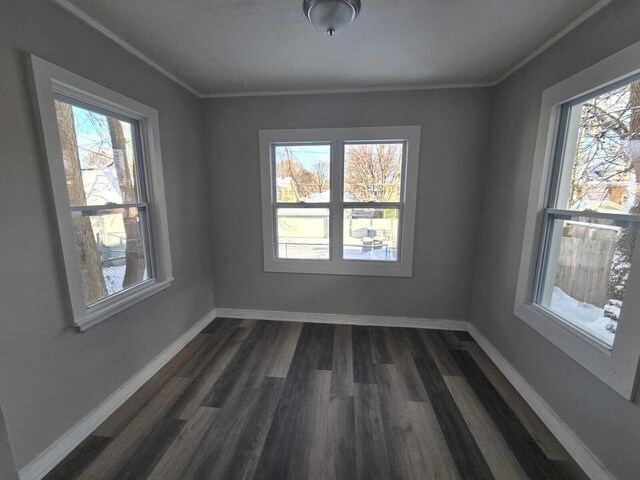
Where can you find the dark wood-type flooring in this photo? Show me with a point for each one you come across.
(277, 400)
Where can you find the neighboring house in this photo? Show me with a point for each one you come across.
(287, 191)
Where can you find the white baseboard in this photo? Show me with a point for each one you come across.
(59, 449)
(567, 438)
(48, 459)
(372, 320)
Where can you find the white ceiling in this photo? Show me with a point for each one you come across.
(241, 46)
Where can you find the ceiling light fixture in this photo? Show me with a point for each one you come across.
(331, 16)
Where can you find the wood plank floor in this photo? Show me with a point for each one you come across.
(278, 400)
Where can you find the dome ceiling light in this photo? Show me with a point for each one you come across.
(331, 16)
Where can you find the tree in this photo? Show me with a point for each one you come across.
(320, 171)
(303, 180)
(372, 172)
(625, 243)
(93, 283)
(601, 160)
(607, 167)
(135, 264)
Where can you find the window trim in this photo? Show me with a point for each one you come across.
(617, 366)
(50, 81)
(410, 135)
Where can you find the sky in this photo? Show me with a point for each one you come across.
(306, 154)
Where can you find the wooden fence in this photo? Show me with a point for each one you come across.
(584, 262)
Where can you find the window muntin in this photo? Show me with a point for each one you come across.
(107, 195)
(592, 215)
(347, 224)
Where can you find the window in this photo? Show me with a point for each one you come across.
(104, 164)
(339, 201)
(593, 212)
(580, 271)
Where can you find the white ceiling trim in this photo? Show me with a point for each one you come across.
(127, 46)
(349, 90)
(592, 11)
(131, 49)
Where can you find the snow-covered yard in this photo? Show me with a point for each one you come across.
(319, 251)
(113, 277)
(588, 316)
(380, 253)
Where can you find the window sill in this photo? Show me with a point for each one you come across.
(356, 268)
(109, 307)
(588, 352)
(565, 325)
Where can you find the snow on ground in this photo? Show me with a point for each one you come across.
(357, 253)
(321, 251)
(113, 277)
(583, 314)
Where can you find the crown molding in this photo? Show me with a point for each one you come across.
(581, 19)
(131, 49)
(127, 46)
(396, 88)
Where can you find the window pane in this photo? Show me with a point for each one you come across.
(587, 268)
(370, 234)
(372, 172)
(303, 173)
(303, 233)
(602, 153)
(99, 156)
(111, 250)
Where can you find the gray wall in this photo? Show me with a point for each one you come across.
(453, 152)
(7, 465)
(51, 376)
(609, 425)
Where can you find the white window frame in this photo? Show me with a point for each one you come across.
(409, 135)
(616, 366)
(50, 80)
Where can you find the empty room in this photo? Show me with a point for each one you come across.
(319, 239)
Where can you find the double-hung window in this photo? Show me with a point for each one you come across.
(106, 177)
(580, 272)
(593, 212)
(339, 201)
